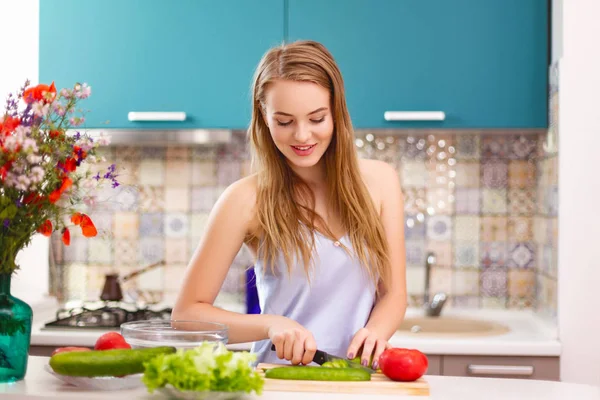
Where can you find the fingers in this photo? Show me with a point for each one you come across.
(310, 348)
(368, 346)
(356, 342)
(380, 347)
(288, 346)
(278, 341)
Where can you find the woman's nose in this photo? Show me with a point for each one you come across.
(302, 133)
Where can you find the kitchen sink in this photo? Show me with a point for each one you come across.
(450, 326)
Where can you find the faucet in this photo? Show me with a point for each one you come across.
(433, 308)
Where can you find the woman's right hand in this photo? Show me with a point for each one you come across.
(292, 341)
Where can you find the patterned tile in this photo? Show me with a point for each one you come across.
(494, 146)
(521, 283)
(466, 254)
(176, 251)
(204, 173)
(126, 252)
(494, 174)
(76, 280)
(443, 253)
(493, 254)
(522, 147)
(414, 228)
(413, 174)
(465, 302)
(158, 153)
(439, 228)
(152, 249)
(176, 225)
(177, 199)
(494, 201)
(177, 173)
(415, 280)
(494, 229)
(126, 225)
(521, 303)
(521, 174)
(203, 198)
(552, 200)
(151, 224)
(197, 226)
(467, 174)
(228, 172)
(77, 251)
(128, 172)
(152, 172)
(202, 153)
(466, 228)
(521, 255)
(520, 229)
(439, 175)
(549, 260)
(540, 229)
(415, 147)
(521, 202)
(153, 280)
(440, 201)
(151, 199)
(468, 147)
(465, 282)
(100, 252)
(174, 277)
(126, 198)
(493, 282)
(415, 252)
(441, 280)
(414, 200)
(494, 302)
(467, 200)
(103, 221)
(553, 231)
(178, 153)
(542, 205)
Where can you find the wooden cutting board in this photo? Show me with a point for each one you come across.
(379, 384)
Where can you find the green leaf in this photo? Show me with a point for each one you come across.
(9, 211)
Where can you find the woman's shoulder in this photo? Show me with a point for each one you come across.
(377, 175)
(242, 192)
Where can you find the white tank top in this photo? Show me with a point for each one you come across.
(333, 306)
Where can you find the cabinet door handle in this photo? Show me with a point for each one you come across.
(414, 115)
(519, 370)
(156, 116)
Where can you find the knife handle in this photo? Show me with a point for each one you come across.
(319, 358)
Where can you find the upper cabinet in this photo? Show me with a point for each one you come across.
(478, 64)
(187, 56)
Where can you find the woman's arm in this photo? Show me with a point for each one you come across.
(390, 308)
(227, 226)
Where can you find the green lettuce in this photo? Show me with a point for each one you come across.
(208, 367)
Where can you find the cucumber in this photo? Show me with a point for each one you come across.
(309, 373)
(117, 362)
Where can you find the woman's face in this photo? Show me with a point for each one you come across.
(299, 117)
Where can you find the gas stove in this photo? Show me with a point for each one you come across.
(103, 315)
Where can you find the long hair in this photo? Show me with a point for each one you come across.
(284, 202)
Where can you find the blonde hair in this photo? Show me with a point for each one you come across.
(285, 203)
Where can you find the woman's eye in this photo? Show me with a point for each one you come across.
(317, 121)
(280, 123)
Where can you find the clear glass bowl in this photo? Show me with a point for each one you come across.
(179, 334)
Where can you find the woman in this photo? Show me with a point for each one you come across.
(325, 227)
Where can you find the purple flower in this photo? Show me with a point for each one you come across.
(97, 177)
(77, 136)
(18, 203)
(6, 222)
(115, 184)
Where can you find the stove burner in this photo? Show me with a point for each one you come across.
(107, 316)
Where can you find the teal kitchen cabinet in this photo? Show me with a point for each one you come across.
(482, 63)
(189, 56)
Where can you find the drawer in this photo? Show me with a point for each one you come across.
(543, 368)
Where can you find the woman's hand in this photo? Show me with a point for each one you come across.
(371, 345)
(292, 341)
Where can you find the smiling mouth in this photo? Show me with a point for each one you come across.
(304, 148)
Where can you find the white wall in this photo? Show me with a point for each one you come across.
(21, 45)
(579, 193)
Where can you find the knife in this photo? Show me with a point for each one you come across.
(322, 357)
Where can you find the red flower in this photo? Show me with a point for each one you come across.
(4, 169)
(55, 195)
(87, 226)
(66, 236)
(34, 199)
(8, 125)
(56, 134)
(46, 228)
(40, 92)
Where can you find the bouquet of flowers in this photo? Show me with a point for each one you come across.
(49, 170)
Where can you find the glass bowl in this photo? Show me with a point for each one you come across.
(176, 333)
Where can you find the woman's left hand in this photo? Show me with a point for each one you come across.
(371, 345)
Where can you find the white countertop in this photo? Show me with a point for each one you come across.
(529, 334)
(39, 384)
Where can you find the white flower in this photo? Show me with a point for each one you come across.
(37, 174)
(34, 159)
(90, 201)
(40, 109)
(23, 182)
(30, 144)
(103, 140)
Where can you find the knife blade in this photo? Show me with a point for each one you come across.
(321, 357)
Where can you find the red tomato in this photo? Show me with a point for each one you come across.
(403, 364)
(111, 340)
(67, 349)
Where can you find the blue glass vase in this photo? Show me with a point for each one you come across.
(15, 333)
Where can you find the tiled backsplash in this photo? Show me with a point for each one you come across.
(485, 203)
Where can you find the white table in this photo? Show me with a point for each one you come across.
(39, 384)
